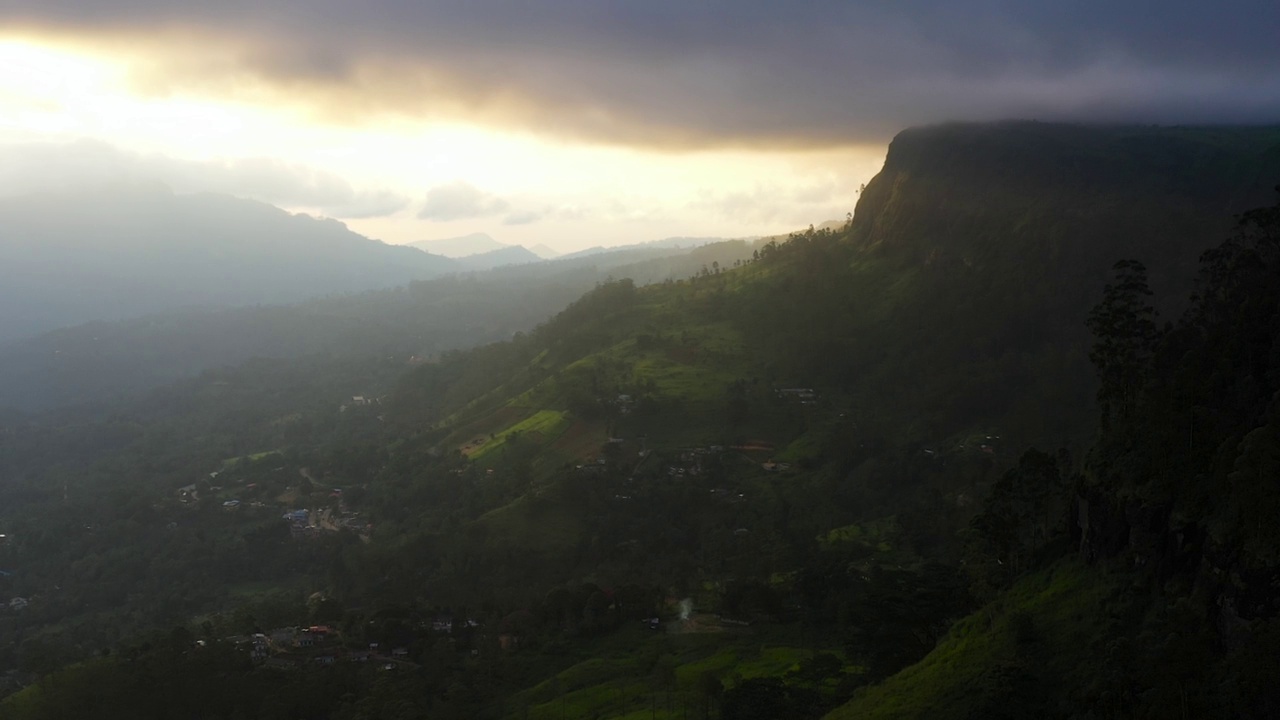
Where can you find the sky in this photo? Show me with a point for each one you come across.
(574, 123)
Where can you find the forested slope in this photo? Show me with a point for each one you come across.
(800, 470)
(109, 361)
(1151, 574)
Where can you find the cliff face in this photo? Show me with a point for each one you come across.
(1064, 202)
(1166, 602)
(1021, 223)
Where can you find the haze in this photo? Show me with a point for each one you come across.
(577, 124)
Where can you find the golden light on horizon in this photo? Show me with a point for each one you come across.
(55, 90)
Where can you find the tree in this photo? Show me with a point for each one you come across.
(1125, 336)
(712, 691)
(738, 405)
(1026, 511)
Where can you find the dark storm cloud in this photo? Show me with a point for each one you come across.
(671, 72)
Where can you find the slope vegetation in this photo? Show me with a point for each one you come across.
(789, 485)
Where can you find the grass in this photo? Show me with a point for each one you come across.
(543, 427)
(229, 462)
(874, 533)
(744, 662)
(1042, 623)
(579, 440)
(544, 524)
(807, 446)
(628, 684)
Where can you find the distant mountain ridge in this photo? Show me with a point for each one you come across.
(510, 255)
(670, 242)
(480, 251)
(544, 252)
(461, 246)
(99, 361)
(109, 253)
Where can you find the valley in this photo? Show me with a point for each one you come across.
(919, 464)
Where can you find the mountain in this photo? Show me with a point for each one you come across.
(671, 242)
(110, 253)
(461, 246)
(801, 482)
(107, 360)
(510, 255)
(998, 237)
(1140, 582)
(544, 252)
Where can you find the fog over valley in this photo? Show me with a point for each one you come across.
(624, 360)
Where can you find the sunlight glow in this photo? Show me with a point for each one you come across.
(579, 193)
(53, 91)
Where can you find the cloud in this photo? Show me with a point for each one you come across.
(30, 167)
(460, 201)
(670, 73)
(364, 205)
(769, 203)
(523, 217)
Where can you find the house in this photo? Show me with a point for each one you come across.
(259, 650)
(297, 517)
(400, 653)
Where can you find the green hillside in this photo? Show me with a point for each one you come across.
(799, 483)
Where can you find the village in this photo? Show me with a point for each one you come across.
(289, 648)
(308, 509)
